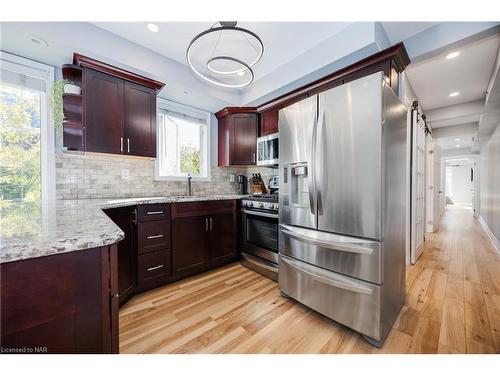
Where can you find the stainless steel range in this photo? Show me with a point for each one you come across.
(260, 234)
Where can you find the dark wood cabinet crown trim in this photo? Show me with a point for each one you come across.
(88, 62)
(234, 110)
(396, 53)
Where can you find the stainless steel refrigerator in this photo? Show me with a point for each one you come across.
(342, 204)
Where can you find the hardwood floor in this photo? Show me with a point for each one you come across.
(452, 306)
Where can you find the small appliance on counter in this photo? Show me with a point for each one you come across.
(274, 185)
(241, 179)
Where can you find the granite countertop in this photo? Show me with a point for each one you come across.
(30, 230)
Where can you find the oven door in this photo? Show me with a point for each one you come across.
(267, 150)
(260, 234)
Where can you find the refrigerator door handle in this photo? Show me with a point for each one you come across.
(311, 169)
(319, 162)
(328, 245)
(352, 286)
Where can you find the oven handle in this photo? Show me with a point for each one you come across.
(258, 213)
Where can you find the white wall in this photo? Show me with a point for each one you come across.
(490, 183)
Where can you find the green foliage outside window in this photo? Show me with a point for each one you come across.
(19, 144)
(190, 160)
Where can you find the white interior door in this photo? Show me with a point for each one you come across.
(437, 188)
(433, 183)
(417, 187)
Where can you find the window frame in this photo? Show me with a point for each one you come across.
(168, 105)
(45, 73)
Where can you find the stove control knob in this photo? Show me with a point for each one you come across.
(261, 204)
(249, 204)
(273, 206)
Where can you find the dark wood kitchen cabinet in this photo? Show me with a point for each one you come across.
(222, 238)
(237, 137)
(104, 112)
(64, 303)
(203, 236)
(190, 247)
(119, 111)
(125, 218)
(140, 120)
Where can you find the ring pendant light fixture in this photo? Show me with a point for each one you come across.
(240, 69)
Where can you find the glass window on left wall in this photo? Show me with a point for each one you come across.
(25, 151)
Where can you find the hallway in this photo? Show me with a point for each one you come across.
(452, 306)
(453, 298)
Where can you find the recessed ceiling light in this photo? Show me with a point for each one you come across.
(452, 55)
(457, 139)
(456, 93)
(153, 27)
(457, 145)
(38, 41)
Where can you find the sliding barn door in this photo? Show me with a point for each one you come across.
(417, 186)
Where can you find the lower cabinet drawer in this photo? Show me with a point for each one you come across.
(153, 236)
(349, 301)
(153, 265)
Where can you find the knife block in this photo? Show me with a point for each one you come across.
(258, 187)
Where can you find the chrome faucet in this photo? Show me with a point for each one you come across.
(189, 184)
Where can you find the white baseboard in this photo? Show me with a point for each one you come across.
(491, 235)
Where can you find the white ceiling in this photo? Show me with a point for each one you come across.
(469, 73)
(450, 143)
(283, 41)
(398, 31)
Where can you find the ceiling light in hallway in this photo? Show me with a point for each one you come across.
(456, 93)
(452, 55)
(153, 27)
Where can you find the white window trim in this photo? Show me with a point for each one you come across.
(167, 105)
(47, 133)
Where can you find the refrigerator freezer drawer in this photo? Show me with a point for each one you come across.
(351, 302)
(350, 256)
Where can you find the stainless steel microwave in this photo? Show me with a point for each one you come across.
(267, 150)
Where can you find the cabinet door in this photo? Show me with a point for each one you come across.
(140, 120)
(103, 96)
(222, 234)
(269, 122)
(127, 255)
(189, 245)
(244, 138)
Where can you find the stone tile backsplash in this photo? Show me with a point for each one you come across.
(82, 176)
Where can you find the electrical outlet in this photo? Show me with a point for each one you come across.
(125, 174)
(232, 177)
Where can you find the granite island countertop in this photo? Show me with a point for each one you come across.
(30, 230)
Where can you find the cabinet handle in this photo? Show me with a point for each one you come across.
(206, 224)
(211, 224)
(253, 157)
(134, 220)
(154, 212)
(155, 236)
(121, 144)
(155, 267)
(128, 145)
(114, 295)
